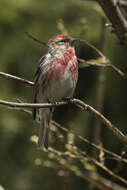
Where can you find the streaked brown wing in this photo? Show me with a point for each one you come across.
(36, 84)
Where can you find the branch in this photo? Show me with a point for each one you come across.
(31, 105)
(35, 39)
(122, 3)
(101, 117)
(103, 167)
(74, 153)
(98, 147)
(102, 61)
(6, 75)
(78, 156)
(117, 19)
(76, 102)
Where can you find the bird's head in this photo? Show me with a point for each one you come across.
(61, 41)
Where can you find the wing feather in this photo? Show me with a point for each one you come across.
(36, 83)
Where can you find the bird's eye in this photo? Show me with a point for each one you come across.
(64, 40)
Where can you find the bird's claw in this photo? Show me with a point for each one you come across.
(67, 99)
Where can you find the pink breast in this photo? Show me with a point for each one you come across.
(59, 66)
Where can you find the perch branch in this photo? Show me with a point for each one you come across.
(97, 147)
(76, 102)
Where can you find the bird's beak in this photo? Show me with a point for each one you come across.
(72, 40)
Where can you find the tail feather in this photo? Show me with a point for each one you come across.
(43, 134)
(45, 117)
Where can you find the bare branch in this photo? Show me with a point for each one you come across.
(101, 62)
(121, 73)
(109, 183)
(36, 40)
(81, 156)
(101, 117)
(117, 19)
(78, 103)
(6, 75)
(32, 105)
(98, 147)
(122, 3)
(57, 125)
(103, 167)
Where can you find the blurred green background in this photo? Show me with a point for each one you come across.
(19, 55)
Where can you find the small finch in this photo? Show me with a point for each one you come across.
(55, 79)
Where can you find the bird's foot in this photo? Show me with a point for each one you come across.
(67, 99)
(52, 102)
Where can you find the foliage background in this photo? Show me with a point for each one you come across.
(19, 169)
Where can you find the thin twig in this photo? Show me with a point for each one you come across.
(118, 157)
(35, 39)
(102, 118)
(84, 64)
(103, 167)
(6, 75)
(104, 61)
(121, 73)
(75, 169)
(101, 62)
(93, 47)
(81, 156)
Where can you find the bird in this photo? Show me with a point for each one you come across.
(55, 79)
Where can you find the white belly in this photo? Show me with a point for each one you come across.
(62, 88)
